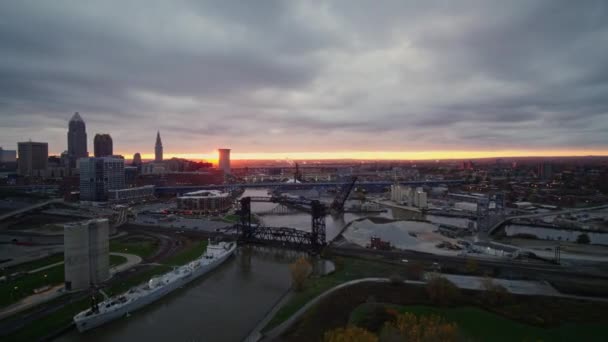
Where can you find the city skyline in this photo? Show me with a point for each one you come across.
(291, 80)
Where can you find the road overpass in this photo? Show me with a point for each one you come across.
(298, 186)
(537, 215)
(29, 208)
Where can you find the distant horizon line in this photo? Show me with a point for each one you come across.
(380, 155)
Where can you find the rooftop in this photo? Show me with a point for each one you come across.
(206, 193)
(76, 117)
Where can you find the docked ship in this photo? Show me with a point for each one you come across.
(158, 286)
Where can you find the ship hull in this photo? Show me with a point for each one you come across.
(97, 320)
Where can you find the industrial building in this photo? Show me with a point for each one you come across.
(205, 201)
(86, 253)
(33, 158)
(100, 175)
(224, 161)
(131, 194)
(409, 196)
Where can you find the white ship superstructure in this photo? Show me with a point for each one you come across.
(155, 288)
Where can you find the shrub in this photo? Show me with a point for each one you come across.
(300, 270)
(441, 291)
(349, 334)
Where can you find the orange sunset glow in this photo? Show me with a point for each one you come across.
(384, 155)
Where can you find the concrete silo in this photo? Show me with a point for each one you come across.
(86, 252)
(99, 259)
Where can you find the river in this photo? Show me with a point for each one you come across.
(229, 302)
(224, 305)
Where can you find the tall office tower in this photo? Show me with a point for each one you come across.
(99, 175)
(86, 253)
(33, 158)
(77, 140)
(158, 149)
(102, 144)
(224, 162)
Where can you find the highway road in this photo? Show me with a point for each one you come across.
(550, 213)
(532, 270)
(31, 207)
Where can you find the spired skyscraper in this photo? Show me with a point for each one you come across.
(77, 140)
(158, 149)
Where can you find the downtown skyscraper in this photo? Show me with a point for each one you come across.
(102, 145)
(77, 140)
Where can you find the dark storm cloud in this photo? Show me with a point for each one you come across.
(299, 75)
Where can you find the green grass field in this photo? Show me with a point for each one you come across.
(32, 265)
(14, 290)
(346, 269)
(480, 325)
(144, 248)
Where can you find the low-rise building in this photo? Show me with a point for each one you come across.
(466, 206)
(205, 201)
(131, 194)
(408, 196)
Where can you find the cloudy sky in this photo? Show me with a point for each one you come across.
(297, 78)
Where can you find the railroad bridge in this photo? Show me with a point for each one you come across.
(286, 236)
(289, 237)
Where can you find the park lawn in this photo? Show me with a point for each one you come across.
(191, 252)
(144, 248)
(231, 218)
(32, 265)
(49, 324)
(346, 269)
(117, 260)
(14, 290)
(481, 325)
(63, 317)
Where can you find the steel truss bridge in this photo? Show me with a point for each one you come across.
(283, 236)
(304, 204)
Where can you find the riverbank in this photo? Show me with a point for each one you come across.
(61, 318)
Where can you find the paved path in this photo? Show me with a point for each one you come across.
(281, 328)
(58, 290)
(256, 333)
(31, 207)
(31, 301)
(132, 260)
(522, 287)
